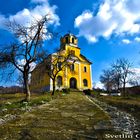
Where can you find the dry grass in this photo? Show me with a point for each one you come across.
(70, 116)
(130, 104)
(117, 99)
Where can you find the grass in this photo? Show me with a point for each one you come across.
(71, 116)
(129, 104)
(119, 99)
(11, 103)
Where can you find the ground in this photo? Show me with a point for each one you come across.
(71, 116)
(129, 104)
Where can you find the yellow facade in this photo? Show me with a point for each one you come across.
(78, 76)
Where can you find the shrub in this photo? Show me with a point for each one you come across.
(57, 90)
(87, 91)
(66, 90)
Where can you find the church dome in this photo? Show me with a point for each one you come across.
(69, 39)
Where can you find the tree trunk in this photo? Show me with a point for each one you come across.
(118, 86)
(53, 87)
(26, 88)
(124, 94)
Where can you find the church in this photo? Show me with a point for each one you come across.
(78, 76)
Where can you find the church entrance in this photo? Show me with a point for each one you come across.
(73, 83)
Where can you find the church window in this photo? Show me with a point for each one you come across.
(85, 82)
(73, 40)
(67, 40)
(59, 81)
(72, 67)
(85, 69)
(59, 65)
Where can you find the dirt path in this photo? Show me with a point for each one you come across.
(121, 120)
(72, 116)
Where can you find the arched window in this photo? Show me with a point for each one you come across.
(67, 40)
(85, 82)
(59, 81)
(85, 69)
(73, 40)
(72, 67)
(73, 83)
(59, 64)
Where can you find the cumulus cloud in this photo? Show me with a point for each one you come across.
(126, 41)
(137, 39)
(99, 85)
(22, 62)
(118, 17)
(135, 78)
(26, 16)
(136, 70)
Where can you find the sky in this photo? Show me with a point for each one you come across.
(106, 29)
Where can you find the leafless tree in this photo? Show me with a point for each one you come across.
(58, 62)
(122, 68)
(26, 50)
(118, 76)
(107, 79)
(135, 80)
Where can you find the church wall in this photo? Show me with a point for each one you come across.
(77, 50)
(86, 75)
(73, 74)
(42, 81)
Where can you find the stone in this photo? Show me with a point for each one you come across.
(65, 114)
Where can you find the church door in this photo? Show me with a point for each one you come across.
(73, 83)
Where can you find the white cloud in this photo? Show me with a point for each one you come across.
(26, 16)
(118, 17)
(22, 62)
(126, 41)
(99, 85)
(136, 70)
(135, 77)
(86, 15)
(137, 39)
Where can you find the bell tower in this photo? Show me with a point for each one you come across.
(69, 39)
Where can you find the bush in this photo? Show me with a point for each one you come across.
(57, 90)
(87, 91)
(66, 90)
(95, 93)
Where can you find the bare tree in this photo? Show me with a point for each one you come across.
(116, 78)
(26, 50)
(123, 69)
(135, 79)
(107, 79)
(58, 62)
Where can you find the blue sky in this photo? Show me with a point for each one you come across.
(107, 29)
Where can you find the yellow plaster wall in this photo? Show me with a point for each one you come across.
(44, 80)
(69, 48)
(39, 79)
(86, 75)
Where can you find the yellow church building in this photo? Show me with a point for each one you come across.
(78, 76)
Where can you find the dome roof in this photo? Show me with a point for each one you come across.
(70, 34)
